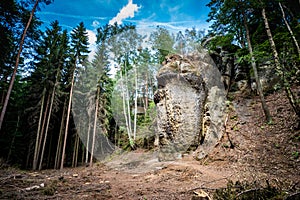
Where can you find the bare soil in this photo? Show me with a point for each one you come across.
(250, 151)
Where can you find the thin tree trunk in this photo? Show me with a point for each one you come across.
(42, 135)
(88, 138)
(128, 104)
(17, 64)
(272, 43)
(67, 121)
(135, 102)
(76, 146)
(77, 150)
(146, 101)
(147, 92)
(59, 142)
(42, 130)
(278, 67)
(292, 98)
(48, 118)
(95, 127)
(289, 28)
(74, 151)
(35, 156)
(253, 64)
(124, 108)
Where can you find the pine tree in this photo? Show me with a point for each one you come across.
(51, 57)
(12, 79)
(79, 51)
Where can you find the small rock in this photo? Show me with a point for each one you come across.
(200, 195)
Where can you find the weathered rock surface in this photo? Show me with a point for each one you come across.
(190, 106)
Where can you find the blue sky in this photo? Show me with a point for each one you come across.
(174, 15)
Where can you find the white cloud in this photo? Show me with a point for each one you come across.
(92, 42)
(125, 12)
(146, 26)
(92, 37)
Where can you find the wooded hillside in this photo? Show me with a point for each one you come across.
(47, 82)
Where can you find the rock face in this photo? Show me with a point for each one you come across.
(187, 92)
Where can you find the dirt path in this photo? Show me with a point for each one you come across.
(259, 153)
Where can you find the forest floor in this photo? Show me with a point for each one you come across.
(251, 152)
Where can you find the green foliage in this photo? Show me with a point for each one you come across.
(107, 31)
(225, 41)
(54, 56)
(50, 188)
(79, 43)
(50, 61)
(295, 154)
(162, 41)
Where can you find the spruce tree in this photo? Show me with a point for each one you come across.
(79, 52)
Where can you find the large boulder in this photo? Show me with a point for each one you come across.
(190, 106)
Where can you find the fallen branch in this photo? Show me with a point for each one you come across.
(34, 187)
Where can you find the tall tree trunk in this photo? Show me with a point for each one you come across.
(74, 151)
(67, 120)
(124, 91)
(292, 98)
(146, 103)
(135, 101)
(59, 142)
(35, 156)
(48, 118)
(128, 104)
(95, 126)
(42, 135)
(289, 28)
(12, 80)
(76, 146)
(77, 150)
(42, 131)
(88, 139)
(278, 67)
(272, 43)
(253, 64)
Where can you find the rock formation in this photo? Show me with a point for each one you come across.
(190, 106)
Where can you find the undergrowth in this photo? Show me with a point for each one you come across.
(249, 191)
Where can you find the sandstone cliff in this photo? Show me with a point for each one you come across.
(190, 106)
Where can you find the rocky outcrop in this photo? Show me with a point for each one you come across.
(236, 76)
(190, 106)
